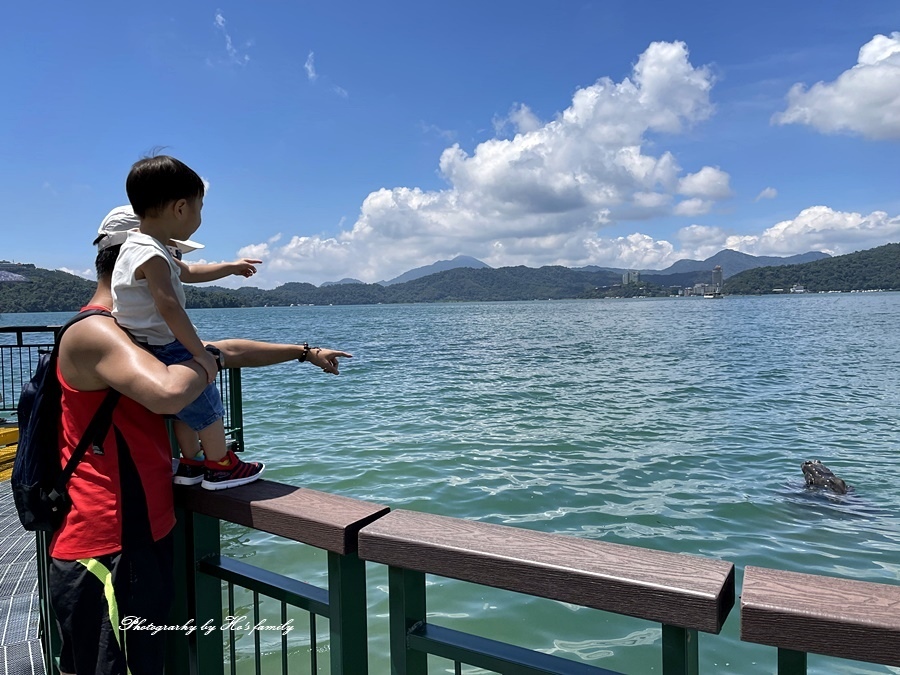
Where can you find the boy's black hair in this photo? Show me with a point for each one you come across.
(156, 181)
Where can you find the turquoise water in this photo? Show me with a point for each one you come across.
(675, 424)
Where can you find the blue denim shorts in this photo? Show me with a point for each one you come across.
(207, 407)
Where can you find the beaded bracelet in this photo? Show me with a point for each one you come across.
(305, 352)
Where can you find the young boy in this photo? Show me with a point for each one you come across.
(148, 301)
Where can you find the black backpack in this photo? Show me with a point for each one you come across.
(38, 479)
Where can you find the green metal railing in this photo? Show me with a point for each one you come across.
(202, 570)
(412, 639)
(20, 349)
(684, 594)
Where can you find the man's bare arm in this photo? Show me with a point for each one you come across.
(96, 353)
(252, 354)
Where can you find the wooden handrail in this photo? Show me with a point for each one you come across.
(680, 590)
(821, 615)
(323, 520)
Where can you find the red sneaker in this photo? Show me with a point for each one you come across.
(231, 472)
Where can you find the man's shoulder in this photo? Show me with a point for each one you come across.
(98, 333)
(86, 344)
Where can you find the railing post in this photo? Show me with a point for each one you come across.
(680, 655)
(50, 640)
(791, 662)
(347, 620)
(235, 404)
(178, 645)
(406, 590)
(208, 656)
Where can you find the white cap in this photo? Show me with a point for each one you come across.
(114, 229)
(186, 245)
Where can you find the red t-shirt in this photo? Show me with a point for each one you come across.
(93, 526)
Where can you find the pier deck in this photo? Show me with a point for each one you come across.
(20, 645)
(9, 438)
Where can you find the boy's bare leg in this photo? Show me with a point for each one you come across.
(188, 440)
(213, 440)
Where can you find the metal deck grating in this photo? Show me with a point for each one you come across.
(20, 646)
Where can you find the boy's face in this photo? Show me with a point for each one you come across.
(189, 216)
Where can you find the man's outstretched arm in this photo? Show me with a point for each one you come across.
(252, 354)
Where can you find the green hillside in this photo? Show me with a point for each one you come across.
(874, 269)
(878, 268)
(43, 290)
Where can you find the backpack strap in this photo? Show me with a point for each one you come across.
(78, 317)
(101, 421)
(94, 434)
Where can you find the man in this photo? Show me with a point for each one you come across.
(112, 557)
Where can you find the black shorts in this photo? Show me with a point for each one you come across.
(95, 598)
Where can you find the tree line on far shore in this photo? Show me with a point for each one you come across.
(877, 268)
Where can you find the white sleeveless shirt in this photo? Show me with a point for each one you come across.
(133, 305)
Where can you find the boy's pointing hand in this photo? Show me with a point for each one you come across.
(245, 267)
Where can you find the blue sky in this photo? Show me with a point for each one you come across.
(364, 139)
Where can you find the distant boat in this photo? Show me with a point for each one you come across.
(713, 296)
(797, 288)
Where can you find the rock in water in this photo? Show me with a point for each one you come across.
(819, 475)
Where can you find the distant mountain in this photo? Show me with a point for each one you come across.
(614, 270)
(434, 268)
(342, 281)
(734, 262)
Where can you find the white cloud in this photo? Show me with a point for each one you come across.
(864, 99)
(693, 207)
(767, 193)
(310, 67)
(520, 118)
(708, 183)
(699, 242)
(234, 55)
(819, 228)
(636, 251)
(88, 274)
(312, 75)
(540, 197)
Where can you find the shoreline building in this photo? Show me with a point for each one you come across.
(631, 277)
(717, 279)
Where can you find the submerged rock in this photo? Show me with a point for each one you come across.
(819, 475)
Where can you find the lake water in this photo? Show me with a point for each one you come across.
(677, 424)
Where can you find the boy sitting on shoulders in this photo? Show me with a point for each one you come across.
(148, 301)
